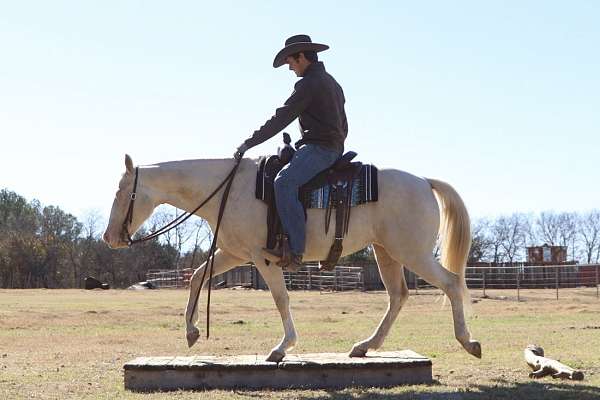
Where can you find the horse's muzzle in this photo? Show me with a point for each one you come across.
(114, 244)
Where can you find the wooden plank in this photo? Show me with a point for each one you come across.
(320, 370)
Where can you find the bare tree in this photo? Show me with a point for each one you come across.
(92, 224)
(589, 231)
(529, 230)
(548, 226)
(178, 236)
(567, 230)
(496, 236)
(203, 236)
(512, 234)
(481, 244)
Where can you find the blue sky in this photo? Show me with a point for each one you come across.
(500, 99)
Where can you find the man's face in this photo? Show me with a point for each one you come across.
(299, 65)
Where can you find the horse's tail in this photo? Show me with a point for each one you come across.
(455, 231)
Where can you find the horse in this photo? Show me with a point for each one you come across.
(402, 226)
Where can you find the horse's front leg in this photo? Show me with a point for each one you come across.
(273, 276)
(224, 261)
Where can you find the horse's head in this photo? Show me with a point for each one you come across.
(124, 223)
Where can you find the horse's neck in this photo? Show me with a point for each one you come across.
(185, 184)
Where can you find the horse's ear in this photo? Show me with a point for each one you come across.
(128, 164)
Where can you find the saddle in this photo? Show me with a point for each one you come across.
(338, 179)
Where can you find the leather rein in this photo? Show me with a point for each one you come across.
(178, 221)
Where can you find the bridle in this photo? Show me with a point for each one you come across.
(129, 216)
(178, 221)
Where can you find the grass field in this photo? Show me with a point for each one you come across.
(62, 344)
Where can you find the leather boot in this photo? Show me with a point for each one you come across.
(278, 250)
(294, 264)
(289, 261)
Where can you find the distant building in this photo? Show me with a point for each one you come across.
(546, 254)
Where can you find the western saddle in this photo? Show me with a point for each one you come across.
(339, 178)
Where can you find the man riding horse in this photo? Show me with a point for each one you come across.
(318, 103)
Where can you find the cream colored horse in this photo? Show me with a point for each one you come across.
(402, 227)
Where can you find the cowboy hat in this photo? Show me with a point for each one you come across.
(296, 44)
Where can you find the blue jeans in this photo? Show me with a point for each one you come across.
(308, 161)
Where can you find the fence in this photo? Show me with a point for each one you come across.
(534, 277)
(366, 277)
(308, 278)
(311, 278)
(173, 279)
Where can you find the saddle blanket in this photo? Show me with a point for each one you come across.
(364, 186)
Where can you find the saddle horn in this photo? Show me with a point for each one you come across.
(287, 152)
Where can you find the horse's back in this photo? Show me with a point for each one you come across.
(408, 214)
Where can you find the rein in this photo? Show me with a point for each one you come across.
(227, 182)
(177, 221)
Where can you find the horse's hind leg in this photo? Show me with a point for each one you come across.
(392, 274)
(434, 273)
(223, 262)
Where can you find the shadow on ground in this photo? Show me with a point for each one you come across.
(504, 390)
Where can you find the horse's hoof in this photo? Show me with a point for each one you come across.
(275, 356)
(357, 352)
(192, 337)
(474, 348)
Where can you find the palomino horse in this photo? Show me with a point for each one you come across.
(402, 227)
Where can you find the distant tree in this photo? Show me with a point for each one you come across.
(179, 236)
(529, 230)
(58, 236)
(567, 231)
(589, 231)
(202, 240)
(481, 244)
(21, 255)
(511, 231)
(16, 214)
(92, 224)
(496, 236)
(84, 257)
(548, 228)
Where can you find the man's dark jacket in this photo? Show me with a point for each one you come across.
(318, 103)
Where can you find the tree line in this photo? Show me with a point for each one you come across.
(46, 247)
(504, 239)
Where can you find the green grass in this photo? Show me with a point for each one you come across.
(59, 344)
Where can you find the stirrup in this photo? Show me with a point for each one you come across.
(294, 263)
(287, 257)
(279, 252)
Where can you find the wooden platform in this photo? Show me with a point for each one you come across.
(322, 370)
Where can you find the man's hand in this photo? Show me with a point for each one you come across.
(239, 153)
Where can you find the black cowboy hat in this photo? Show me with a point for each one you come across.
(296, 44)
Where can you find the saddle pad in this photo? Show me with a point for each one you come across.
(364, 186)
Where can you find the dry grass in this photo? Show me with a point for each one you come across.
(58, 344)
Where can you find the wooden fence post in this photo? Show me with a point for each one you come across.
(335, 280)
(556, 278)
(484, 283)
(416, 284)
(518, 284)
(597, 283)
(361, 279)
